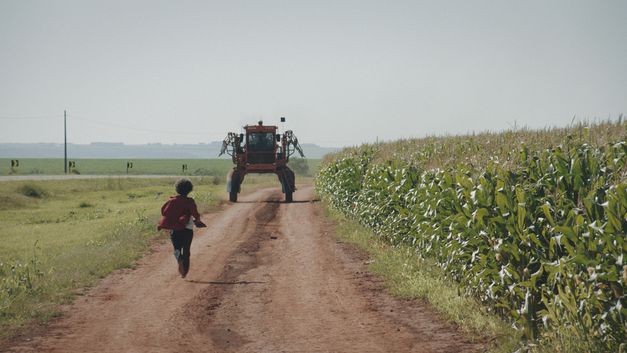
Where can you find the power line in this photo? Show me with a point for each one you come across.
(110, 124)
(48, 117)
(106, 123)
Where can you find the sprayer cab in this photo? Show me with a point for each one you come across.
(261, 149)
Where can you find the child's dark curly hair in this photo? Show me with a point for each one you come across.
(183, 186)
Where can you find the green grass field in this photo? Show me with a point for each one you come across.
(214, 167)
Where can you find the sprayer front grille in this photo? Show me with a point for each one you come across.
(260, 158)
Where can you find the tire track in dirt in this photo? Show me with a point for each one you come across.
(208, 302)
(265, 277)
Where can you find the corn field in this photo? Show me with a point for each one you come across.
(531, 223)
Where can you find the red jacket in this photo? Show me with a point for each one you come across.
(177, 211)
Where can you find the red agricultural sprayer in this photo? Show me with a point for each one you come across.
(261, 149)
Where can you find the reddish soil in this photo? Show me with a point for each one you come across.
(265, 277)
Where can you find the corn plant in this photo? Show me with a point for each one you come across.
(540, 241)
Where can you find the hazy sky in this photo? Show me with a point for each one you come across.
(342, 72)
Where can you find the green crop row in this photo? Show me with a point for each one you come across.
(541, 241)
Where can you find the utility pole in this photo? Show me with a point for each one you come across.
(65, 140)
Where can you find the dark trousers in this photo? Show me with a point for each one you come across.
(182, 242)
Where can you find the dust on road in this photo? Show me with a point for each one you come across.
(265, 277)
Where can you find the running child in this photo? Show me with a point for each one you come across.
(179, 215)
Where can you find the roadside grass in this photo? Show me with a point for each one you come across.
(408, 276)
(60, 236)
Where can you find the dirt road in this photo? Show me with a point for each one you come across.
(265, 277)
